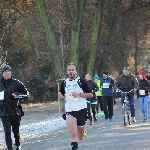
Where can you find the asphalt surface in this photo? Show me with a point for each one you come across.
(101, 135)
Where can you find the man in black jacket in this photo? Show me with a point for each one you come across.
(11, 92)
(126, 83)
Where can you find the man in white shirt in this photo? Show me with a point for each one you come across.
(75, 90)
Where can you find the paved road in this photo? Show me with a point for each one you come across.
(101, 136)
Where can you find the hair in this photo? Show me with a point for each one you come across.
(88, 74)
(72, 63)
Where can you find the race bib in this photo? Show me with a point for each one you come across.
(106, 85)
(2, 95)
(142, 92)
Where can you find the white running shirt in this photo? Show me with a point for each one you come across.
(72, 103)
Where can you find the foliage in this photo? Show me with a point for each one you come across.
(96, 34)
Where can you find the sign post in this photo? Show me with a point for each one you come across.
(59, 102)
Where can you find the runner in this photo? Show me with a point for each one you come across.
(107, 84)
(75, 90)
(144, 87)
(91, 102)
(99, 97)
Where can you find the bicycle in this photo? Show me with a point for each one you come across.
(126, 109)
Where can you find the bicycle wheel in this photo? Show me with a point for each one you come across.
(129, 118)
(125, 115)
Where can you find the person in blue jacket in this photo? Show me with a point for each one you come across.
(107, 84)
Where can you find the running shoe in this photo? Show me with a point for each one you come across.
(133, 119)
(19, 148)
(110, 120)
(106, 120)
(85, 134)
(98, 115)
(102, 113)
(95, 120)
(145, 120)
(91, 122)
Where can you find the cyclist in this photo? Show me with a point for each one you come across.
(91, 101)
(126, 82)
(107, 84)
(144, 87)
(75, 90)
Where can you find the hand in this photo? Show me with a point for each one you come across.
(60, 95)
(74, 94)
(117, 90)
(135, 90)
(13, 94)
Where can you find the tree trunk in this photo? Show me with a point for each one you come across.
(51, 39)
(75, 31)
(94, 37)
(136, 53)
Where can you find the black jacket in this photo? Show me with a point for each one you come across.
(10, 105)
(93, 86)
(144, 85)
(126, 83)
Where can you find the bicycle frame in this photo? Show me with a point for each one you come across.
(126, 109)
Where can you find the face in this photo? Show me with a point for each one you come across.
(140, 76)
(7, 74)
(71, 71)
(125, 72)
(104, 75)
(87, 77)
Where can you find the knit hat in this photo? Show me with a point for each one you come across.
(142, 73)
(126, 68)
(6, 67)
(105, 72)
(96, 76)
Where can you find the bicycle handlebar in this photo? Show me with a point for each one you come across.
(125, 92)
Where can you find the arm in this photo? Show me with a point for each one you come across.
(61, 91)
(148, 85)
(87, 91)
(135, 82)
(21, 92)
(112, 83)
(95, 86)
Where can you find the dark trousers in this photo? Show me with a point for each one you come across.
(99, 104)
(93, 111)
(14, 122)
(108, 106)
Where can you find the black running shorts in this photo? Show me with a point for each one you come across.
(80, 115)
